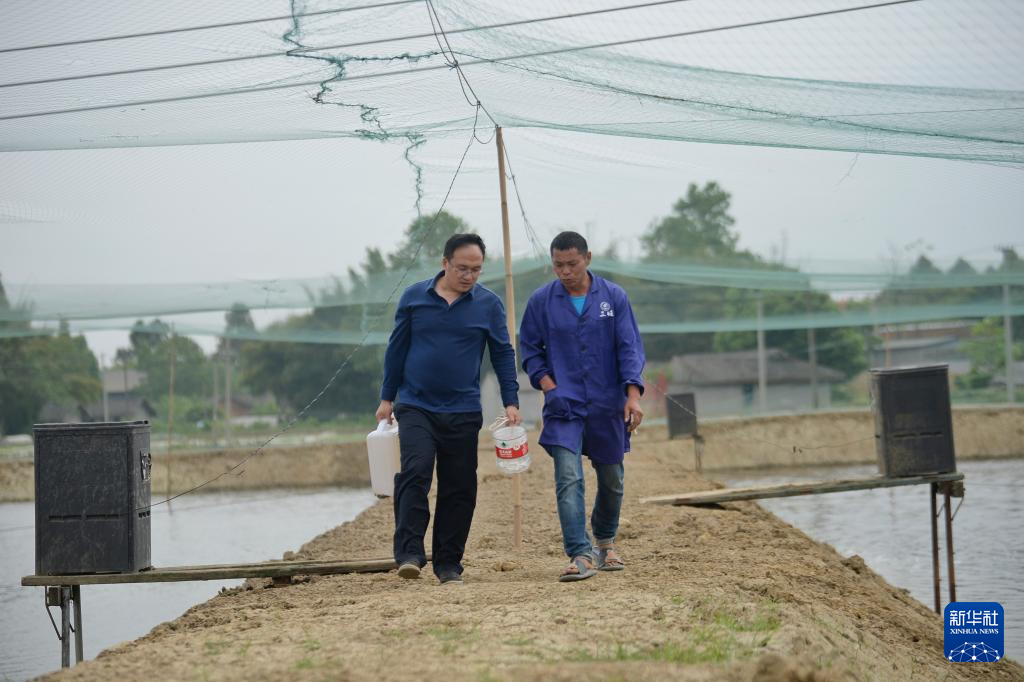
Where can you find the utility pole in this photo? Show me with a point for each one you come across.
(227, 389)
(1008, 345)
(762, 357)
(812, 352)
(216, 398)
(170, 412)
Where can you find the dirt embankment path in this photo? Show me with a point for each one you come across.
(731, 593)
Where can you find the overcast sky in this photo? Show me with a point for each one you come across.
(307, 208)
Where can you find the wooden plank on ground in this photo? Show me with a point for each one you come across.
(794, 489)
(268, 569)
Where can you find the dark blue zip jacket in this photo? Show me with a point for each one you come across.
(434, 353)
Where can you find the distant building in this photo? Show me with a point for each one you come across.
(123, 401)
(928, 343)
(727, 383)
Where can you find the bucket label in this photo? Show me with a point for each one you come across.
(505, 452)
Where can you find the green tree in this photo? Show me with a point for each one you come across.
(38, 369)
(151, 352)
(986, 349)
(296, 372)
(842, 349)
(698, 229)
(433, 233)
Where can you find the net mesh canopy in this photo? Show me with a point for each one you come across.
(682, 70)
(934, 78)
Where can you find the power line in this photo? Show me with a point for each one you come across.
(362, 43)
(464, 84)
(330, 382)
(475, 62)
(204, 27)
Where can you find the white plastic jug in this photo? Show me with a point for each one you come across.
(385, 458)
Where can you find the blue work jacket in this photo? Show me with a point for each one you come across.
(592, 357)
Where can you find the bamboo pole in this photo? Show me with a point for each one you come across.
(510, 321)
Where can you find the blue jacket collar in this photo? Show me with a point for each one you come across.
(596, 285)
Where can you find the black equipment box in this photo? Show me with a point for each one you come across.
(92, 497)
(913, 420)
(682, 414)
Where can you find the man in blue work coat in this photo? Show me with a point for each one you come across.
(432, 365)
(580, 344)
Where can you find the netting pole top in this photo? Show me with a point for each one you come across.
(510, 321)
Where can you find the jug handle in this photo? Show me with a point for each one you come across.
(498, 423)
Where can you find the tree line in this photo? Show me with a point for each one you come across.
(699, 229)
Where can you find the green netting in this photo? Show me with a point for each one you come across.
(668, 298)
(899, 78)
(670, 70)
(41, 302)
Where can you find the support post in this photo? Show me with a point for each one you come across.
(1008, 345)
(76, 596)
(950, 570)
(936, 577)
(762, 357)
(65, 627)
(510, 321)
(698, 452)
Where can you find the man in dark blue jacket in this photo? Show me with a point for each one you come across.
(580, 344)
(432, 365)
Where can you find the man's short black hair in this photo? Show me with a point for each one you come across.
(570, 240)
(457, 241)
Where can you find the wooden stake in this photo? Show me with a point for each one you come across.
(510, 321)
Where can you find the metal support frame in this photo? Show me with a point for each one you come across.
(948, 490)
(67, 597)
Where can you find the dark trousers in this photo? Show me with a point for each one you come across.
(451, 440)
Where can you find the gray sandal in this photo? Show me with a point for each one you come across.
(580, 568)
(609, 560)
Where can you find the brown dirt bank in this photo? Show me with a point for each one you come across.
(843, 437)
(341, 464)
(779, 440)
(709, 594)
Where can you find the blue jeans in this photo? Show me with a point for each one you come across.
(604, 519)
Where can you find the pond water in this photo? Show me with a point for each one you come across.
(210, 528)
(889, 528)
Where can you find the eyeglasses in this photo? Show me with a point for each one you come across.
(466, 271)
